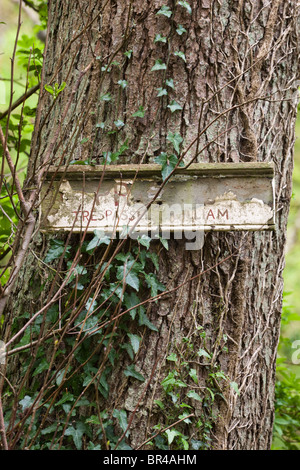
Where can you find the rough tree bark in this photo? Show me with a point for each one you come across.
(241, 65)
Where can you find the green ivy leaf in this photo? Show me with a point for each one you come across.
(123, 83)
(168, 163)
(196, 445)
(159, 65)
(49, 89)
(180, 30)
(193, 374)
(170, 83)
(165, 10)
(131, 372)
(176, 140)
(154, 284)
(171, 434)
(160, 38)
(76, 434)
(194, 395)
(172, 357)
(140, 112)
(128, 53)
(128, 272)
(203, 353)
(119, 124)
(164, 243)
(144, 240)
(154, 259)
(161, 92)
(174, 106)
(56, 250)
(98, 240)
(235, 387)
(186, 5)
(121, 416)
(180, 54)
(135, 341)
(144, 320)
(131, 300)
(26, 402)
(42, 365)
(106, 97)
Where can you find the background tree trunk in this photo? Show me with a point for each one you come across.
(241, 64)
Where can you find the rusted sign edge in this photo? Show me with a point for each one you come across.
(252, 169)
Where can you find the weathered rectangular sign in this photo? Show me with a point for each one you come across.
(223, 196)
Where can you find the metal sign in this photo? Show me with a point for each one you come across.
(222, 196)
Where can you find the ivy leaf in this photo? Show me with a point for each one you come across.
(144, 240)
(186, 5)
(180, 54)
(98, 239)
(128, 271)
(194, 395)
(135, 341)
(183, 416)
(131, 300)
(168, 163)
(53, 427)
(174, 106)
(203, 353)
(123, 83)
(76, 434)
(133, 280)
(154, 259)
(160, 38)
(180, 30)
(176, 140)
(49, 89)
(196, 445)
(165, 10)
(106, 97)
(26, 402)
(164, 243)
(193, 374)
(56, 250)
(170, 83)
(144, 320)
(171, 434)
(139, 113)
(161, 159)
(131, 372)
(161, 92)
(235, 387)
(128, 53)
(121, 416)
(172, 357)
(42, 365)
(119, 124)
(154, 284)
(159, 65)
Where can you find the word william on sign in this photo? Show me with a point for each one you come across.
(201, 197)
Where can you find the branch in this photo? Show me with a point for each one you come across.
(20, 100)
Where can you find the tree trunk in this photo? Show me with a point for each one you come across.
(238, 62)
